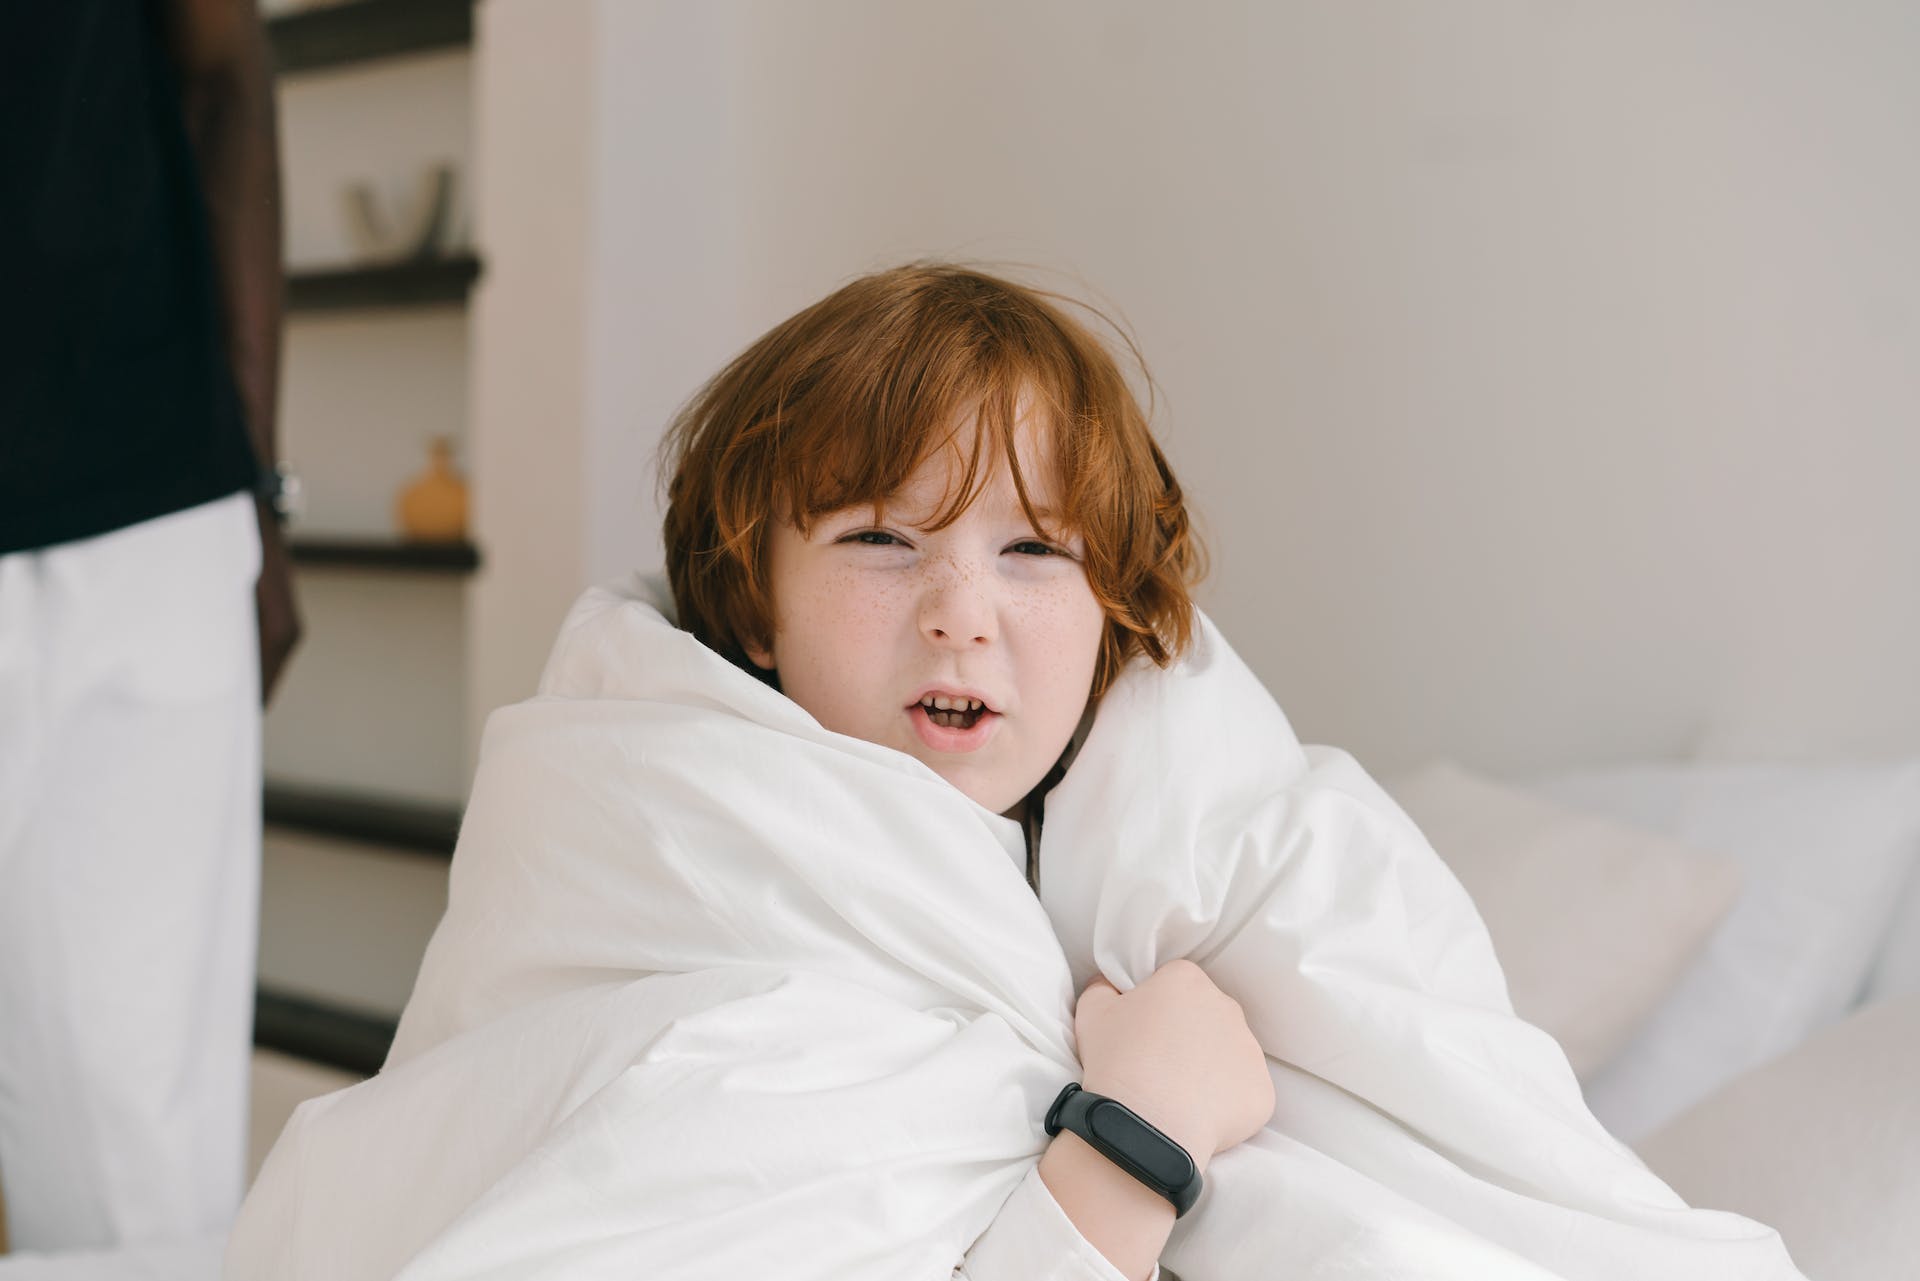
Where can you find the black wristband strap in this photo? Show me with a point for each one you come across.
(1119, 1134)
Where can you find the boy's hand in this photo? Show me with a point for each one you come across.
(1177, 1050)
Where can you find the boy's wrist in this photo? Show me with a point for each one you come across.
(1122, 1218)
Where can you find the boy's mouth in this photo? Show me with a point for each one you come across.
(953, 711)
(954, 728)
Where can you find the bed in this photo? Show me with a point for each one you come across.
(1729, 953)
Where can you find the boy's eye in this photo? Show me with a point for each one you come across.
(881, 538)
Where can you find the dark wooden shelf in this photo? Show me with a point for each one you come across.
(326, 551)
(343, 34)
(416, 826)
(321, 1033)
(425, 282)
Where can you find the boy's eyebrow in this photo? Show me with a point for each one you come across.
(1007, 511)
(1011, 508)
(1044, 513)
(1012, 512)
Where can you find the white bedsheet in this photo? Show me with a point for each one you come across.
(722, 994)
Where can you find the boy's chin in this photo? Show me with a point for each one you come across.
(999, 798)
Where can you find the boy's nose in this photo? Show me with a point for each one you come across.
(956, 610)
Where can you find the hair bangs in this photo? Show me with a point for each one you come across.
(862, 434)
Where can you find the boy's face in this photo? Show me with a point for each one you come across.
(872, 619)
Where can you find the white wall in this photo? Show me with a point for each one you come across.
(536, 126)
(1544, 375)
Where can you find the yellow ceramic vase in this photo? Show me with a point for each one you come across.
(433, 508)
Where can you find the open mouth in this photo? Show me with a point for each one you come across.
(954, 722)
(958, 713)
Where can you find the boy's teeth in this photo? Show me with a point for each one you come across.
(945, 704)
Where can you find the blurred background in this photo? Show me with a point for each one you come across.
(1544, 376)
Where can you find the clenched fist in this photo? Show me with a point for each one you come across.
(1176, 1050)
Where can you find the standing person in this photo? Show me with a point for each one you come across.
(146, 606)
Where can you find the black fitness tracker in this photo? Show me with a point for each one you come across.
(1118, 1133)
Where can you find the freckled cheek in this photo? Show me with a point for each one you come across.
(864, 614)
(1065, 623)
(850, 629)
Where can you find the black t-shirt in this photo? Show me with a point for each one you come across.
(116, 401)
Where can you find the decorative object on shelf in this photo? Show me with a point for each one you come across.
(433, 508)
(418, 231)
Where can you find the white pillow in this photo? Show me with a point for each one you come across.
(1822, 1145)
(1823, 854)
(1593, 921)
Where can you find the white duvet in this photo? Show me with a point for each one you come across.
(722, 994)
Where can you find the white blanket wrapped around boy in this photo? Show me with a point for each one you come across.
(722, 994)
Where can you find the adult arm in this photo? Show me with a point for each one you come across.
(219, 53)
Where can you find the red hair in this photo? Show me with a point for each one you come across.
(838, 405)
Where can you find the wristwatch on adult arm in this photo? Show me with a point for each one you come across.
(1119, 1134)
(279, 489)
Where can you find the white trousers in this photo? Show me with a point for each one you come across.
(129, 878)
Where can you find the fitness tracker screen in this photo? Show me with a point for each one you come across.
(1130, 1137)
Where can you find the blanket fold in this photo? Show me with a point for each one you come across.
(721, 993)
